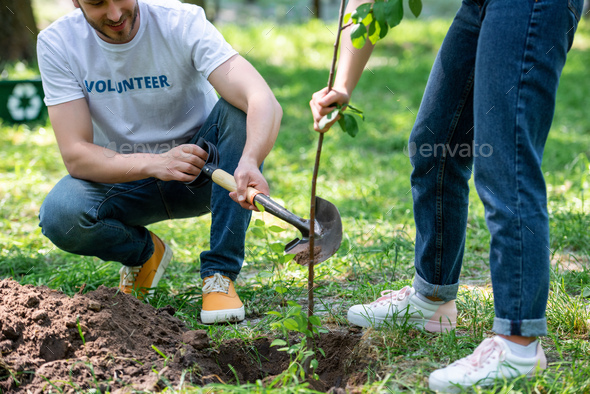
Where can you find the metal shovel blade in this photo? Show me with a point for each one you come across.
(327, 226)
(328, 235)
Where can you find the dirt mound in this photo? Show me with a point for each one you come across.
(109, 341)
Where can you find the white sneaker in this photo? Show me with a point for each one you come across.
(404, 305)
(491, 360)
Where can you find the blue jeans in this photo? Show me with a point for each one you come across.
(487, 110)
(108, 220)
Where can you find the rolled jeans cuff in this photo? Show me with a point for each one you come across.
(211, 272)
(525, 328)
(444, 292)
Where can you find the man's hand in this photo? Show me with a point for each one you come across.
(248, 174)
(323, 102)
(181, 163)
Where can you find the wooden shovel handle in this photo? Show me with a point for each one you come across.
(228, 182)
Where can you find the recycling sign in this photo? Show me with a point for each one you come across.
(22, 101)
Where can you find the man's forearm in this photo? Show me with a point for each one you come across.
(95, 163)
(263, 122)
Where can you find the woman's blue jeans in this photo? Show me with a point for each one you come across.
(487, 110)
(108, 220)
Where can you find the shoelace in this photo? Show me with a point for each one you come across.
(130, 276)
(388, 296)
(481, 354)
(216, 284)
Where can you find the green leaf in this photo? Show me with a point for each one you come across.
(346, 18)
(315, 320)
(379, 12)
(342, 124)
(322, 352)
(275, 313)
(586, 292)
(257, 231)
(301, 323)
(287, 257)
(355, 111)
(384, 29)
(276, 229)
(368, 19)
(293, 303)
(265, 274)
(281, 289)
(259, 206)
(358, 35)
(394, 12)
(259, 223)
(278, 342)
(295, 311)
(291, 324)
(314, 363)
(352, 127)
(277, 247)
(374, 31)
(328, 118)
(361, 12)
(415, 7)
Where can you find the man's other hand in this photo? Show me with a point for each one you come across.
(181, 163)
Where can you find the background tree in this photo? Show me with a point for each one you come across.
(210, 10)
(317, 8)
(18, 31)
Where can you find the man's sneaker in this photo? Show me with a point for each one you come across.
(403, 306)
(491, 360)
(141, 280)
(221, 303)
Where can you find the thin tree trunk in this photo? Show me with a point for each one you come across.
(18, 31)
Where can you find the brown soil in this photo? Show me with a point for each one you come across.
(304, 258)
(41, 346)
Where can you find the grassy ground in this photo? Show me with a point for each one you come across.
(368, 179)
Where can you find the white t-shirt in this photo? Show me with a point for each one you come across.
(147, 95)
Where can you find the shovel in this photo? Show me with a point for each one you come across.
(327, 226)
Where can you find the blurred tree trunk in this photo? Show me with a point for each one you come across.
(317, 9)
(18, 31)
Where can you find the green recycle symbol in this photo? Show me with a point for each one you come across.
(24, 103)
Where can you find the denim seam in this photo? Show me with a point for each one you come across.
(518, 170)
(168, 211)
(209, 129)
(440, 175)
(573, 10)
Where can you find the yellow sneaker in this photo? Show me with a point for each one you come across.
(141, 280)
(221, 303)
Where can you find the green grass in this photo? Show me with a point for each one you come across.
(368, 179)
